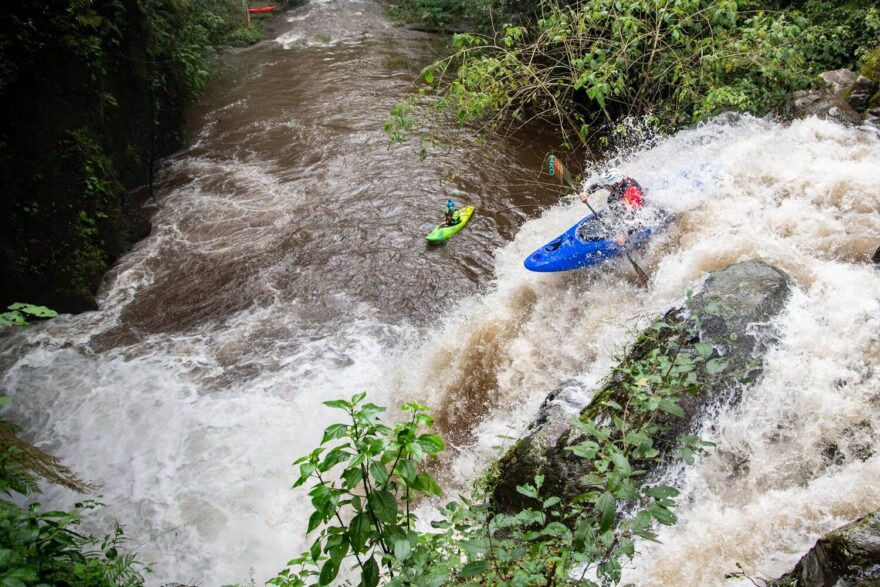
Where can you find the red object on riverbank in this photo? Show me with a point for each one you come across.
(261, 9)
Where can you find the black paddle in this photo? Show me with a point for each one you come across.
(554, 167)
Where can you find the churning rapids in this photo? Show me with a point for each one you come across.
(287, 266)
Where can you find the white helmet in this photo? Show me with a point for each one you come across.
(611, 176)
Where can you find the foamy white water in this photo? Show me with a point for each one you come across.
(797, 457)
(188, 394)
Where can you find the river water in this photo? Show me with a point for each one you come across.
(287, 266)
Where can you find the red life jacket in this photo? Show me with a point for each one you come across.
(628, 192)
(633, 197)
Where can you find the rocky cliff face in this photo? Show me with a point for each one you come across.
(735, 307)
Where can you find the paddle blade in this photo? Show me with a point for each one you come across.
(554, 167)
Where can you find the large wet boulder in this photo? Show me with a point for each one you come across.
(841, 95)
(735, 307)
(846, 557)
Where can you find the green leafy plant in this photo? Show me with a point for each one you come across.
(47, 547)
(19, 313)
(579, 65)
(365, 478)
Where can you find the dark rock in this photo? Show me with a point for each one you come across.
(838, 82)
(860, 93)
(831, 99)
(736, 306)
(876, 257)
(846, 557)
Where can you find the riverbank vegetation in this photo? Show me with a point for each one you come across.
(584, 64)
(366, 476)
(40, 547)
(94, 91)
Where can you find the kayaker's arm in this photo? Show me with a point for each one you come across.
(590, 191)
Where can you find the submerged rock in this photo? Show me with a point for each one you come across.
(735, 305)
(846, 557)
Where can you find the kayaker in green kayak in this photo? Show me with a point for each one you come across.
(451, 217)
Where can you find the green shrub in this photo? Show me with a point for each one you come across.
(47, 547)
(365, 477)
(584, 63)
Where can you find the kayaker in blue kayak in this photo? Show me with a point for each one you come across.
(451, 218)
(625, 197)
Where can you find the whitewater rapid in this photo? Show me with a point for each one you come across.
(187, 405)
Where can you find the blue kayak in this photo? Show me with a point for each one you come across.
(586, 243)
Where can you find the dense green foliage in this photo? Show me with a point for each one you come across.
(581, 63)
(47, 547)
(442, 14)
(374, 492)
(95, 92)
(366, 476)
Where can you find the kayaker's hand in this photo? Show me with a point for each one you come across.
(620, 240)
(584, 196)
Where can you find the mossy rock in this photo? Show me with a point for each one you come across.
(736, 306)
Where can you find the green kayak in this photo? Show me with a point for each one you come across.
(443, 232)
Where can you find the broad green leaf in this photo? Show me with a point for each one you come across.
(378, 472)
(427, 484)
(621, 464)
(338, 552)
(715, 366)
(550, 502)
(328, 572)
(340, 404)
(407, 470)
(315, 520)
(606, 506)
(351, 477)
(333, 458)
(661, 492)
(402, 549)
(586, 450)
(670, 407)
(662, 515)
(527, 490)
(475, 548)
(431, 443)
(38, 311)
(384, 505)
(704, 349)
(474, 569)
(12, 319)
(556, 529)
(334, 431)
(359, 530)
(370, 573)
(529, 517)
